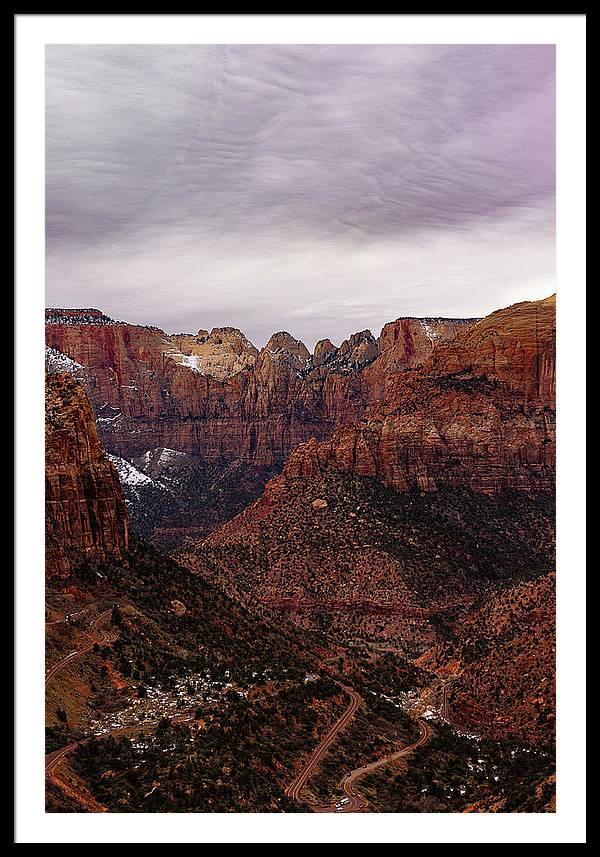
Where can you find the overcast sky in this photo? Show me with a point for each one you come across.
(315, 189)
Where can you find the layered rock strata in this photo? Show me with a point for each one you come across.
(214, 395)
(85, 510)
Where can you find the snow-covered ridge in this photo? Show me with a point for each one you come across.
(165, 456)
(150, 480)
(79, 317)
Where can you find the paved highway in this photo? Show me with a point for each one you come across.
(298, 783)
(353, 801)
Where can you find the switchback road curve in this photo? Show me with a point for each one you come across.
(300, 780)
(354, 801)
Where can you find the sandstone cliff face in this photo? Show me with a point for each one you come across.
(515, 346)
(409, 342)
(222, 353)
(377, 565)
(436, 437)
(213, 395)
(430, 402)
(85, 509)
(479, 414)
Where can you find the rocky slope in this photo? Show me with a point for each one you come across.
(321, 543)
(346, 554)
(504, 654)
(508, 652)
(85, 509)
(173, 497)
(414, 516)
(133, 640)
(466, 403)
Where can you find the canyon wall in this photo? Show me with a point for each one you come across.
(397, 523)
(216, 396)
(479, 414)
(85, 509)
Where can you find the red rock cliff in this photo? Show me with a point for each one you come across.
(85, 509)
(480, 414)
(147, 393)
(515, 346)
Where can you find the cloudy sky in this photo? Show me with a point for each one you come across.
(315, 189)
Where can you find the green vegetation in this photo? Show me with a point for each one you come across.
(452, 773)
(239, 750)
(377, 729)
(237, 760)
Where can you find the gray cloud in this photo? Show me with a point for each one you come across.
(312, 188)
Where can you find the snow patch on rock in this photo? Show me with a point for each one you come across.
(57, 362)
(430, 332)
(128, 474)
(167, 455)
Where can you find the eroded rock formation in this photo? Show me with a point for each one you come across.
(214, 395)
(479, 414)
(444, 435)
(85, 509)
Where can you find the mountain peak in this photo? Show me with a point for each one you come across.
(284, 348)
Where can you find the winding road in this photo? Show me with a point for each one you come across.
(54, 758)
(300, 780)
(68, 617)
(353, 801)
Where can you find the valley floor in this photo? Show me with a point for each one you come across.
(236, 738)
